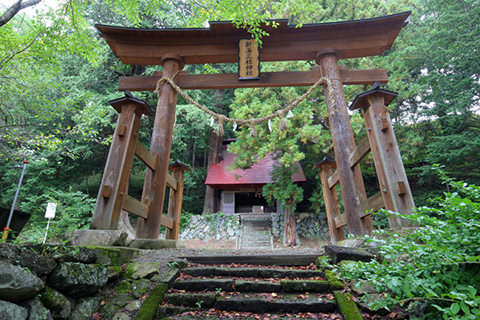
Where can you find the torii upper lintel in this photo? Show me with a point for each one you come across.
(218, 43)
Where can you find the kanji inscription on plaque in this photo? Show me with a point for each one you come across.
(248, 60)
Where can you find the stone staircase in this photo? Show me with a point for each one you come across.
(256, 233)
(239, 291)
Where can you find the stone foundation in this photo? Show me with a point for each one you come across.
(309, 225)
(213, 226)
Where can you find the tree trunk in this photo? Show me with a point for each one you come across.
(290, 226)
(209, 204)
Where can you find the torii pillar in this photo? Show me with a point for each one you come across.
(392, 178)
(350, 178)
(156, 182)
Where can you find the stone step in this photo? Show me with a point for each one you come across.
(266, 259)
(256, 304)
(247, 272)
(245, 303)
(229, 285)
(182, 313)
(203, 284)
(195, 300)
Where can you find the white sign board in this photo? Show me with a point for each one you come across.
(51, 208)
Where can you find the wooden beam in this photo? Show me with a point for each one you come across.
(331, 202)
(333, 180)
(176, 208)
(267, 79)
(360, 151)
(340, 221)
(143, 154)
(387, 158)
(374, 203)
(171, 181)
(350, 179)
(134, 206)
(156, 181)
(167, 221)
(117, 169)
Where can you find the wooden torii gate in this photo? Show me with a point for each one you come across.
(324, 43)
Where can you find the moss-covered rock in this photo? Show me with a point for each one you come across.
(322, 262)
(11, 311)
(56, 302)
(84, 308)
(36, 310)
(166, 311)
(140, 287)
(123, 287)
(28, 258)
(139, 270)
(114, 255)
(108, 310)
(305, 285)
(348, 307)
(333, 281)
(114, 272)
(257, 286)
(148, 310)
(167, 277)
(18, 284)
(121, 299)
(78, 279)
(199, 300)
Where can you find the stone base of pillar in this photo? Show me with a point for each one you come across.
(98, 238)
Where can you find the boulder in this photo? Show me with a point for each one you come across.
(11, 311)
(153, 244)
(141, 287)
(36, 310)
(26, 258)
(78, 254)
(97, 237)
(337, 254)
(85, 308)
(17, 284)
(57, 303)
(77, 279)
(139, 270)
(134, 305)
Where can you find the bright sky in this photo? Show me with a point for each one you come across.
(31, 10)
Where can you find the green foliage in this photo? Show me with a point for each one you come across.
(74, 210)
(437, 262)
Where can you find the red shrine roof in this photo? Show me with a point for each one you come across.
(220, 176)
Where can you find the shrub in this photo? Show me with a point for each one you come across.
(437, 263)
(74, 211)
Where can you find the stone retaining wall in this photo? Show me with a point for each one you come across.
(74, 283)
(220, 227)
(309, 225)
(214, 226)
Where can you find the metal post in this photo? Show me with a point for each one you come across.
(46, 231)
(7, 228)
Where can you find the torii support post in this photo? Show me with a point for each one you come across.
(175, 199)
(156, 182)
(330, 198)
(350, 178)
(119, 162)
(392, 178)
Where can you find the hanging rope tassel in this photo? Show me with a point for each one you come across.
(282, 124)
(253, 130)
(220, 130)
